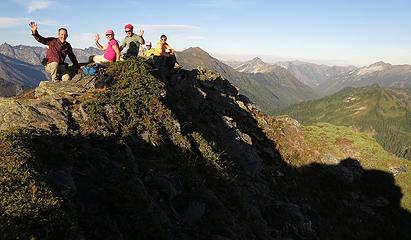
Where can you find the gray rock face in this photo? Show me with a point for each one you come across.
(45, 113)
(48, 110)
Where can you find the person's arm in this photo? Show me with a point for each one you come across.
(73, 58)
(123, 45)
(142, 41)
(37, 36)
(169, 48)
(101, 47)
(117, 50)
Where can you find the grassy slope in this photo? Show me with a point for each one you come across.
(384, 113)
(343, 142)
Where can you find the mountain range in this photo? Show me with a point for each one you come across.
(381, 73)
(16, 75)
(34, 55)
(270, 90)
(309, 73)
(327, 80)
(313, 74)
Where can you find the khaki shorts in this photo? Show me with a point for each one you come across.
(100, 59)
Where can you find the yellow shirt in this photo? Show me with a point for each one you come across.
(150, 52)
(161, 48)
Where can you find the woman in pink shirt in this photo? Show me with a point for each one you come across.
(112, 50)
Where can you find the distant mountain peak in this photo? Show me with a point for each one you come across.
(257, 60)
(195, 49)
(7, 49)
(375, 67)
(380, 63)
(255, 65)
(5, 45)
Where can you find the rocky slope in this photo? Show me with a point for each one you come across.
(180, 156)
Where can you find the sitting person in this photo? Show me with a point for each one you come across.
(112, 49)
(164, 49)
(149, 51)
(132, 41)
(58, 49)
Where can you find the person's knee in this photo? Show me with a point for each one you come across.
(66, 77)
(51, 67)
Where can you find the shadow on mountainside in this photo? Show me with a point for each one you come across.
(224, 181)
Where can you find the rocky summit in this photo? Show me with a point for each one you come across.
(144, 153)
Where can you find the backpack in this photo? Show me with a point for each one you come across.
(91, 70)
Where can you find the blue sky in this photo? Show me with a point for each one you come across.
(335, 32)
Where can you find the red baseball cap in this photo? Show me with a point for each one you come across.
(128, 27)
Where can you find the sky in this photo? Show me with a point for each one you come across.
(343, 32)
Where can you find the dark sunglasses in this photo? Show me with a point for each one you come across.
(128, 31)
(163, 39)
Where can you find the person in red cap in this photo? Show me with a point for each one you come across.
(112, 50)
(132, 41)
(58, 49)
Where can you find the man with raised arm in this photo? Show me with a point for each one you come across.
(57, 51)
(132, 41)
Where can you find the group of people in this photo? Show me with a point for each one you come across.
(59, 48)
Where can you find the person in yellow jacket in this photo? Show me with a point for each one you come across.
(149, 51)
(163, 49)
